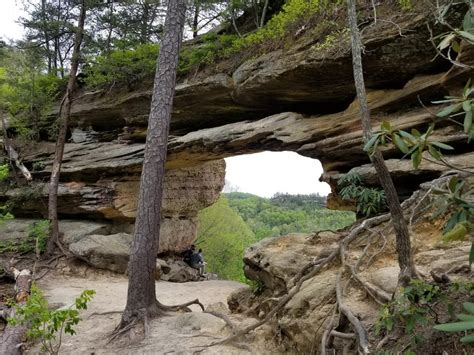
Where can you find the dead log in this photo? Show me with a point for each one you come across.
(15, 336)
(13, 155)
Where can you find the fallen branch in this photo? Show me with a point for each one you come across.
(12, 153)
(14, 336)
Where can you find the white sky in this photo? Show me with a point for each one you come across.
(267, 173)
(10, 11)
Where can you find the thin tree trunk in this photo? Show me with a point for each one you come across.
(403, 245)
(196, 20)
(264, 14)
(141, 297)
(46, 34)
(64, 113)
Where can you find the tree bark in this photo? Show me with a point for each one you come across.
(196, 19)
(141, 297)
(64, 114)
(403, 244)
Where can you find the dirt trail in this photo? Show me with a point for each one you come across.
(180, 333)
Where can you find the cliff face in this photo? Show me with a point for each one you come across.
(299, 99)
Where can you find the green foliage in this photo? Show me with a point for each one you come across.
(455, 200)
(420, 305)
(224, 236)
(411, 308)
(39, 232)
(284, 214)
(460, 106)
(210, 48)
(466, 323)
(293, 15)
(47, 325)
(257, 287)
(411, 144)
(127, 66)
(35, 241)
(405, 4)
(369, 200)
(27, 93)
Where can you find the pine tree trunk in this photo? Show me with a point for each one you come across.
(64, 113)
(403, 245)
(141, 297)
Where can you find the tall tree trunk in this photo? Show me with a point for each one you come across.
(141, 297)
(403, 245)
(264, 14)
(196, 19)
(64, 113)
(46, 34)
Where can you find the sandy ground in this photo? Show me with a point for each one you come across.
(180, 333)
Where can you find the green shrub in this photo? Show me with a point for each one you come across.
(128, 66)
(48, 326)
(369, 200)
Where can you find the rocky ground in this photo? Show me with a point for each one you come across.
(179, 333)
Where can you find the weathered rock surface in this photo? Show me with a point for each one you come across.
(303, 320)
(180, 272)
(110, 252)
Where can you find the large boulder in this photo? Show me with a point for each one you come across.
(110, 252)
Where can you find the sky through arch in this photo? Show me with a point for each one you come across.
(265, 174)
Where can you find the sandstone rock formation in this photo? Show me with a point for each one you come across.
(298, 99)
(370, 266)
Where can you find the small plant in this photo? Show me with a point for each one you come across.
(38, 166)
(369, 200)
(257, 287)
(410, 309)
(455, 200)
(39, 233)
(48, 326)
(35, 241)
(460, 106)
(466, 323)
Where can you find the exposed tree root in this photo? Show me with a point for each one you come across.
(142, 317)
(283, 301)
(358, 326)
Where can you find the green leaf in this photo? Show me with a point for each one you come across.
(468, 122)
(471, 255)
(456, 46)
(442, 145)
(385, 126)
(416, 158)
(467, 338)
(465, 317)
(466, 105)
(416, 132)
(455, 327)
(371, 142)
(435, 153)
(468, 307)
(467, 22)
(449, 110)
(467, 35)
(400, 143)
(452, 183)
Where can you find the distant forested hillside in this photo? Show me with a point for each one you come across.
(238, 220)
(283, 214)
